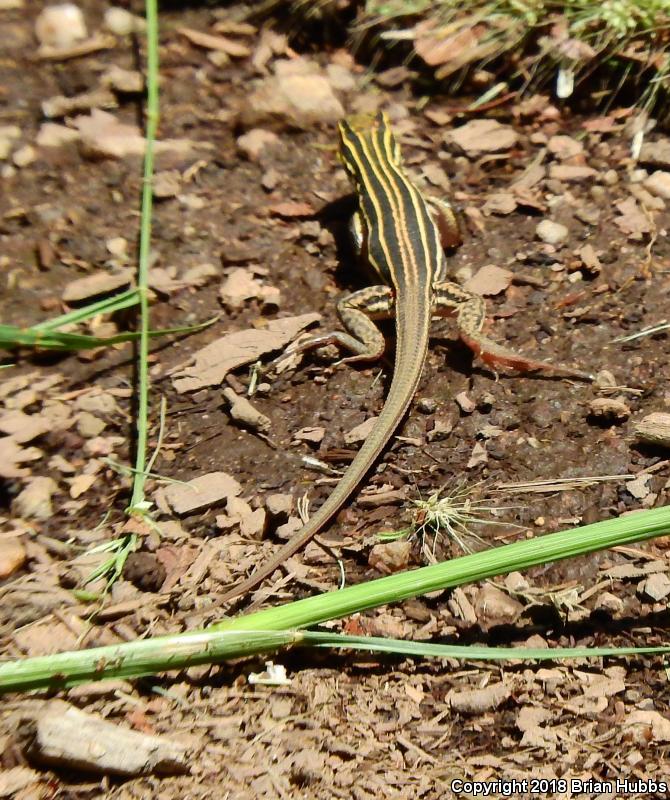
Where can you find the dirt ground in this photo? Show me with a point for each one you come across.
(237, 222)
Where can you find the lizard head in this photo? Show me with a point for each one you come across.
(367, 137)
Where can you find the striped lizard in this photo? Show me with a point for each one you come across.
(402, 235)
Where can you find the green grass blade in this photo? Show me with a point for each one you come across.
(137, 500)
(135, 659)
(12, 337)
(149, 656)
(377, 644)
(467, 569)
(107, 306)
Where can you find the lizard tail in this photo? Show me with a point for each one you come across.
(411, 348)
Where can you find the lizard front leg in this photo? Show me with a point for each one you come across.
(470, 310)
(362, 337)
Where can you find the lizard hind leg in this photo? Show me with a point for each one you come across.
(362, 337)
(470, 311)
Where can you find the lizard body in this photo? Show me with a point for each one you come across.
(402, 238)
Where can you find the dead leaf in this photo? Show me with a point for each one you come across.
(481, 136)
(34, 501)
(23, 427)
(12, 454)
(633, 221)
(478, 456)
(238, 287)
(438, 46)
(489, 280)
(81, 484)
(361, 432)
(648, 727)
(502, 203)
(451, 50)
(218, 358)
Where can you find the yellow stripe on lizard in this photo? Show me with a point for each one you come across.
(402, 237)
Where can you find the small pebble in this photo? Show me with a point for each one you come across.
(551, 232)
(465, 403)
(658, 183)
(612, 409)
(24, 155)
(610, 178)
(60, 25)
(121, 22)
(427, 405)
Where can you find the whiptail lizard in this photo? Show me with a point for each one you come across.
(401, 235)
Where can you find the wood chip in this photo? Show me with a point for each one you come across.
(313, 434)
(202, 492)
(590, 259)
(570, 172)
(96, 285)
(12, 555)
(243, 411)
(215, 42)
(475, 701)
(613, 409)
(390, 557)
(67, 738)
(654, 429)
(290, 209)
(94, 44)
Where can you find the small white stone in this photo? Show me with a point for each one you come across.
(122, 23)
(658, 183)
(117, 246)
(551, 232)
(60, 26)
(24, 155)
